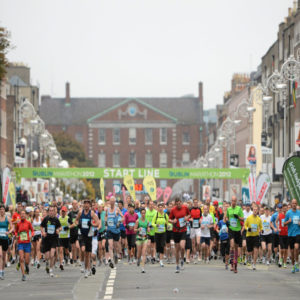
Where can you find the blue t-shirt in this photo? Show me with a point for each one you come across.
(273, 220)
(123, 211)
(293, 227)
(223, 233)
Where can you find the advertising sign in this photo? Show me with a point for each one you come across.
(291, 173)
(250, 155)
(262, 185)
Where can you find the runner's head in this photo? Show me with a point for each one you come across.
(128, 199)
(23, 214)
(120, 204)
(151, 204)
(170, 205)
(137, 204)
(178, 202)
(112, 201)
(36, 212)
(160, 207)
(267, 211)
(205, 210)
(146, 200)
(216, 204)
(207, 201)
(75, 205)
(143, 205)
(19, 207)
(294, 204)
(233, 201)
(64, 211)
(255, 210)
(143, 212)
(2, 210)
(284, 208)
(195, 203)
(131, 208)
(86, 204)
(52, 211)
(248, 207)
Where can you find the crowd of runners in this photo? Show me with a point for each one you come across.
(91, 234)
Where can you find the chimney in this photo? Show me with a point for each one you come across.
(298, 6)
(200, 93)
(294, 6)
(67, 100)
(290, 12)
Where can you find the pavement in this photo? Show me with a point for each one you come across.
(201, 281)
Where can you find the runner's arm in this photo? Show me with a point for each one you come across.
(96, 219)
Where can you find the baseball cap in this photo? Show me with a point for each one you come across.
(215, 202)
(64, 209)
(279, 205)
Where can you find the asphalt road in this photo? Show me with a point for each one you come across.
(200, 281)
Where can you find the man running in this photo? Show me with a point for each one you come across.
(179, 215)
(84, 221)
(234, 217)
(50, 228)
(150, 213)
(74, 232)
(283, 234)
(206, 224)
(292, 220)
(266, 236)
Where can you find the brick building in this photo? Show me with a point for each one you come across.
(131, 132)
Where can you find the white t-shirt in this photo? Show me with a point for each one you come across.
(206, 220)
(266, 221)
(247, 214)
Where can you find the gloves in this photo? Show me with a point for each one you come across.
(89, 223)
(66, 228)
(227, 224)
(249, 229)
(262, 231)
(236, 216)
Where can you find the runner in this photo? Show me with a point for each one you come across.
(245, 255)
(64, 236)
(74, 233)
(195, 235)
(123, 230)
(113, 230)
(130, 219)
(141, 228)
(253, 226)
(283, 234)
(159, 222)
(6, 228)
(292, 220)
(266, 236)
(84, 222)
(23, 229)
(150, 213)
(37, 238)
(206, 224)
(234, 217)
(179, 215)
(170, 246)
(102, 242)
(50, 228)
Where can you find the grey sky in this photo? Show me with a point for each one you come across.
(141, 47)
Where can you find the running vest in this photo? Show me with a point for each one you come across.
(4, 229)
(64, 234)
(37, 226)
(142, 234)
(112, 220)
(84, 220)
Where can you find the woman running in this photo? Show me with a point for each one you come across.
(37, 238)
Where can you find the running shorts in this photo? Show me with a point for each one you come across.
(252, 242)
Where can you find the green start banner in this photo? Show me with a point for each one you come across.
(291, 172)
(136, 173)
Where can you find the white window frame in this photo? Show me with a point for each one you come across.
(134, 164)
(115, 155)
(132, 136)
(147, 163)
(99, 160)
(184, 161)
(163, 131)
(183, 139)
(99, 136)
(163, 159)
(113, 136)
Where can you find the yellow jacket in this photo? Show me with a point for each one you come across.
(255, 224)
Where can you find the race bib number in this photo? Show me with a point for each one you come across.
(254, 227)
(63, 232)
(181, 222)
(170, 227)
(143, 231)
(3, 232)
(37, 228)
(160, 228)
(85, 223)
(23, 236)
(282, 222)
(233, 222)
(296, 220)
(110, 222)
(224, 229)
(195, 223)
(50, 229)
(131, 224)
(266, 226)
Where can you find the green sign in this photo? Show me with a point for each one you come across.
(137, 173)
(291, 172)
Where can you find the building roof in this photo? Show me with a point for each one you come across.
(54, 111)
(17, 81)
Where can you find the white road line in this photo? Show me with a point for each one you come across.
(110, 285)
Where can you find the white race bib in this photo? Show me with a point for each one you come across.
(181, 222)
(50, 229)
(233, 222)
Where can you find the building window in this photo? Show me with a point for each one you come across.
(101, 160)
(163, 183)
(148, 160)
(116, 136)
(148, 136)
(132, 136)
(163, 136)
(132, 160)
(163, 160)
(102, 136)
(78, 137)
(186, 138)
(116, 160)
(185, 158)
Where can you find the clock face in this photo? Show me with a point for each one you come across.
(132, 110)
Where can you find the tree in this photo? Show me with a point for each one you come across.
(5, 45)
(71, 150)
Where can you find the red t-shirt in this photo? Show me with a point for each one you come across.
(196, 213)
(16, 217)
(179, 214)
(22, 231)
(283, 229)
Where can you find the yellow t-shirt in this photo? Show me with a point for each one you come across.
(211, 209)
(255, 224)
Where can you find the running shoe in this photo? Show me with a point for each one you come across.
(23, 277)
(296, 267)
(253, 267)
(143, 270)
(38, 265)
(86, 274)
(285, 266)
(293, 269)
(177, 269)
(226, 267)
(51, 273)
(138, 262)
(161, 264)
(61, 267)
(47, 268)
(93, 270)
(111, 264)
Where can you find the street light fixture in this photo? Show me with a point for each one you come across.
(267, 99)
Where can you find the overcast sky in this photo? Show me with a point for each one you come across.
(142, 47)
